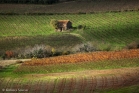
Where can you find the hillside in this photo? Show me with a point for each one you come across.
(71, 7)
(105, 29)
(98, 55)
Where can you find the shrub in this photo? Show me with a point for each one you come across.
(85, 47)
(39, 51)
(133, 45)
(9, 54)
(54, 23)
(1, 67)
(81, 27)
(3, 56)
(65, 52)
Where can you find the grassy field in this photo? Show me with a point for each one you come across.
(18, 71)
(98, 65)
(109, 25)
(131, 89)
(112, 31)
(22, 25)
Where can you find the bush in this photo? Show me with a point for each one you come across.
(85, 47)
(1, 67)
(54, 23)
(133, 45)
(39, 51)
(65, 52)
(8, 54)
(81, 27)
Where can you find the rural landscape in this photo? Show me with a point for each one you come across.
(69, 46)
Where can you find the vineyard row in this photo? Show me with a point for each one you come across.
(69, 85)
(85, 57)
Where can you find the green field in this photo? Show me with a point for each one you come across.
(106, 31)
(108, 26)
(131, 89)
(32, 25)
(18, 71)
(30, 77)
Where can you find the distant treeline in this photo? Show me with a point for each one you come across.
(30, 1)
(37, 1)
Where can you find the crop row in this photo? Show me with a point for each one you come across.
(85, 57)
(68, 85)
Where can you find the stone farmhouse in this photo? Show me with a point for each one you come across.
(64, 25)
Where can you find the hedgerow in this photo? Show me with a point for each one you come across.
(30, 1)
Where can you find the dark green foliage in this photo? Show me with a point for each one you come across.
(1, 67)
(81, 27)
